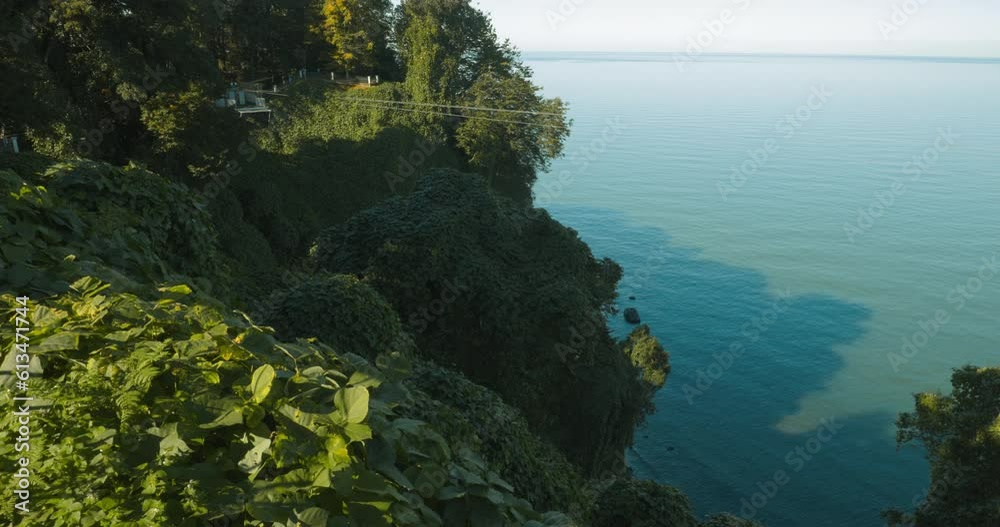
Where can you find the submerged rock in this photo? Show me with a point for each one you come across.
(632, 316)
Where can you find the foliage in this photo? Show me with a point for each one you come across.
(107, 61)
(128, 220)
(471, 415)
(171, 412)
(451, 54)
(961, 433)
(647, 354)
(728, 520)
(260, 37)
(342, 311)
(356, 29)
(639, 503)
(512, 147)
(485, 288)
(446, 45)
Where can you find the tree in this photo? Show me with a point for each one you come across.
(256, 38)
(357, 30)
(961, 433)
(511, 147)
(460, 36)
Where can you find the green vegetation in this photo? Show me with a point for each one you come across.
(169, 412)
(492, 293)
(425, 348)
(342, 312)
(961, 433)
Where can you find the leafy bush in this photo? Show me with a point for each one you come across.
(489, 290)
(129, 220)
(171, 412)
(647, 354)
(468, 414)
(639, 503)
(728, 520)
(342, 311)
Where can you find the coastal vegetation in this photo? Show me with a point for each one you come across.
(350, 316)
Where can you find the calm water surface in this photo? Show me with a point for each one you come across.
(732, 194)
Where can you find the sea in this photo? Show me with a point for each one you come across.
(814, 239)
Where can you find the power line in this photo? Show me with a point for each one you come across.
(388, 105)
(451, 106)
(429, 112)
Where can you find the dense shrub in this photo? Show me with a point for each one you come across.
(647, 354)
(469, 414)
(499, 292)
(136, 221)
(639, 503)
(129, 221)
(342, 311)
(728, 520)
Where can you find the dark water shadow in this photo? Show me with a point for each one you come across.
(715, 433)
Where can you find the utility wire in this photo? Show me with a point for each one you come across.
(389, 105)
(454, 107)
(430, 112)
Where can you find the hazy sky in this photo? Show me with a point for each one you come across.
(932, 27)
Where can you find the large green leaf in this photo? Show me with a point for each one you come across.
(352, 403)
(313, 517)
(260, 384)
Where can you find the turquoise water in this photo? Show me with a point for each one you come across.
(776, 261)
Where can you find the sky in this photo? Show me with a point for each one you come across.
(967, 28)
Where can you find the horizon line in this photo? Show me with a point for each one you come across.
(900, 56)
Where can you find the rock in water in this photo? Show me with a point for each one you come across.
(632, 316)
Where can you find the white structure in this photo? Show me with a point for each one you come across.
(9, 144)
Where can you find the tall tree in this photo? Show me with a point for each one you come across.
(511, 144)
(357, 30)
(457, 33)
(961, 433)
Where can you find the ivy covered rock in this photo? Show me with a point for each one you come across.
(501, 293)
(647, 354)
(640, 503)
(728, 520)
(468, 414)
(340, 310)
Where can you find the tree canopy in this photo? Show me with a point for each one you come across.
(516, 304)
(961, 433)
